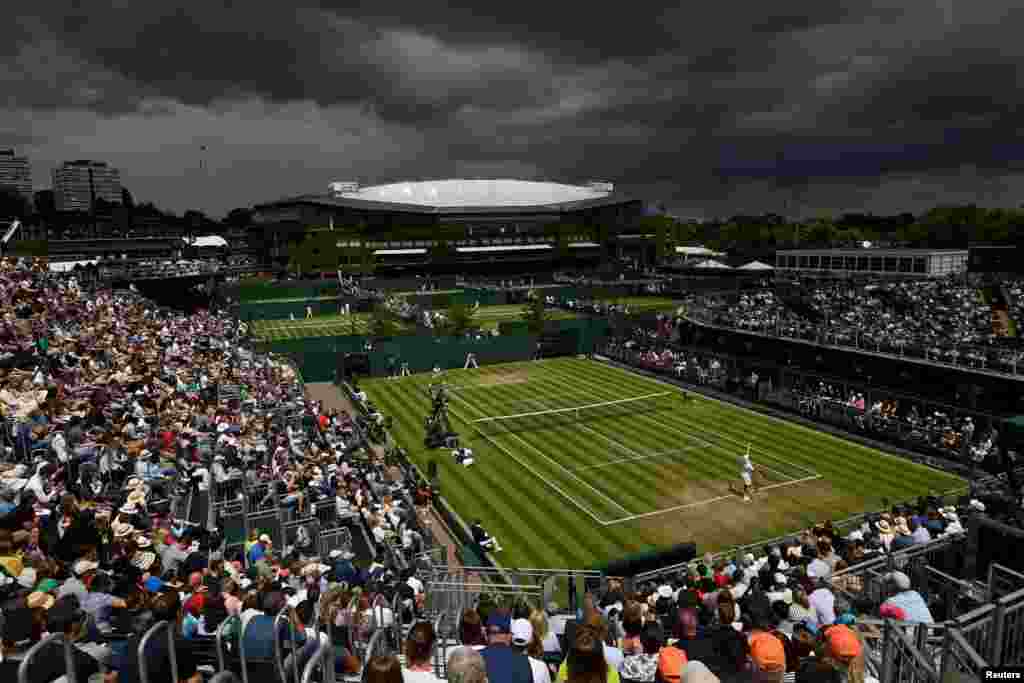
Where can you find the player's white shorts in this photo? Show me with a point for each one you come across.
(747, 479)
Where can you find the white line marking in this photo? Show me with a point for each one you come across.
(846, 442)
(546, 480)
(642, 457)
(713, 432)
(706, 502)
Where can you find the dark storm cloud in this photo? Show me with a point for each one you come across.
(687, 101)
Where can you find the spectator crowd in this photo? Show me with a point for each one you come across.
(115, 413)
(942, 320)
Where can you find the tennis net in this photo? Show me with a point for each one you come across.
(556, 417)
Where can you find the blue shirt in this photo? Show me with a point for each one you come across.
(257, 552)
(505, 665)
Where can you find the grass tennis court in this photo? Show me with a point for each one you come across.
(334, 325)
(579, 490)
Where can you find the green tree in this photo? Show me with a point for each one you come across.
(238, 218)
(45, 204)
(461, 318)
(535, 314)
(12, 204)
(383, 322)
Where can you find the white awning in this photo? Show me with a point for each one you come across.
(711, 263)
(697, 251)
(66, 266)
(583, 245)
(756, 265)
(206, 241)
(398, 252)
(502, 247)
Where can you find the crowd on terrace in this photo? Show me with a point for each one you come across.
(941, 320)
(114, 410)
(937, 431)
(793, 611)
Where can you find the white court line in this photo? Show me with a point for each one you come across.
(642, 457)
(612, 441)
(693, 437)
(722, 436)
(546, 480)
(845, 442)
(707, 502)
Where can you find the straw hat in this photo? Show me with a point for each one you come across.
(40, 600)
(143, 561)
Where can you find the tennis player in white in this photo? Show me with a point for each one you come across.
(748, 475)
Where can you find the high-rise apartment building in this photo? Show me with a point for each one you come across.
(15, 172)
(78, 184)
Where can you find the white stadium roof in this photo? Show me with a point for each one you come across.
(489, 193)
(207, 241)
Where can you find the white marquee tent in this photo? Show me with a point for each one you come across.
(756, 265)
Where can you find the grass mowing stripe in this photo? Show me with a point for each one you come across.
(899, 474)
(558, 469)
(788, 506)
(806, 437)
(475, 488)
(716, 495)
(575, 433)
(619, 538)
(635, 493)
(748, 417)
(713, 469)
(645, 483)
(817, 451)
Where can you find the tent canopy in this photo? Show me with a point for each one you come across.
(756, 265)
(207, 241)
(67, 266)
(711, 263)
(696, 251)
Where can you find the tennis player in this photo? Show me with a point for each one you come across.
(747, 474)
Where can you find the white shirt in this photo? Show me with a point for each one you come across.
(60, 447)
(541, 673)
(823, 603)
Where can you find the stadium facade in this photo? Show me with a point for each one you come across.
(445, 225)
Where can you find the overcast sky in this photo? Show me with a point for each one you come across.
(713, 108)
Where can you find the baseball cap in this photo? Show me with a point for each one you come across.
(768, 652)
(500, 621)
(522, 632)
(842, 642)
